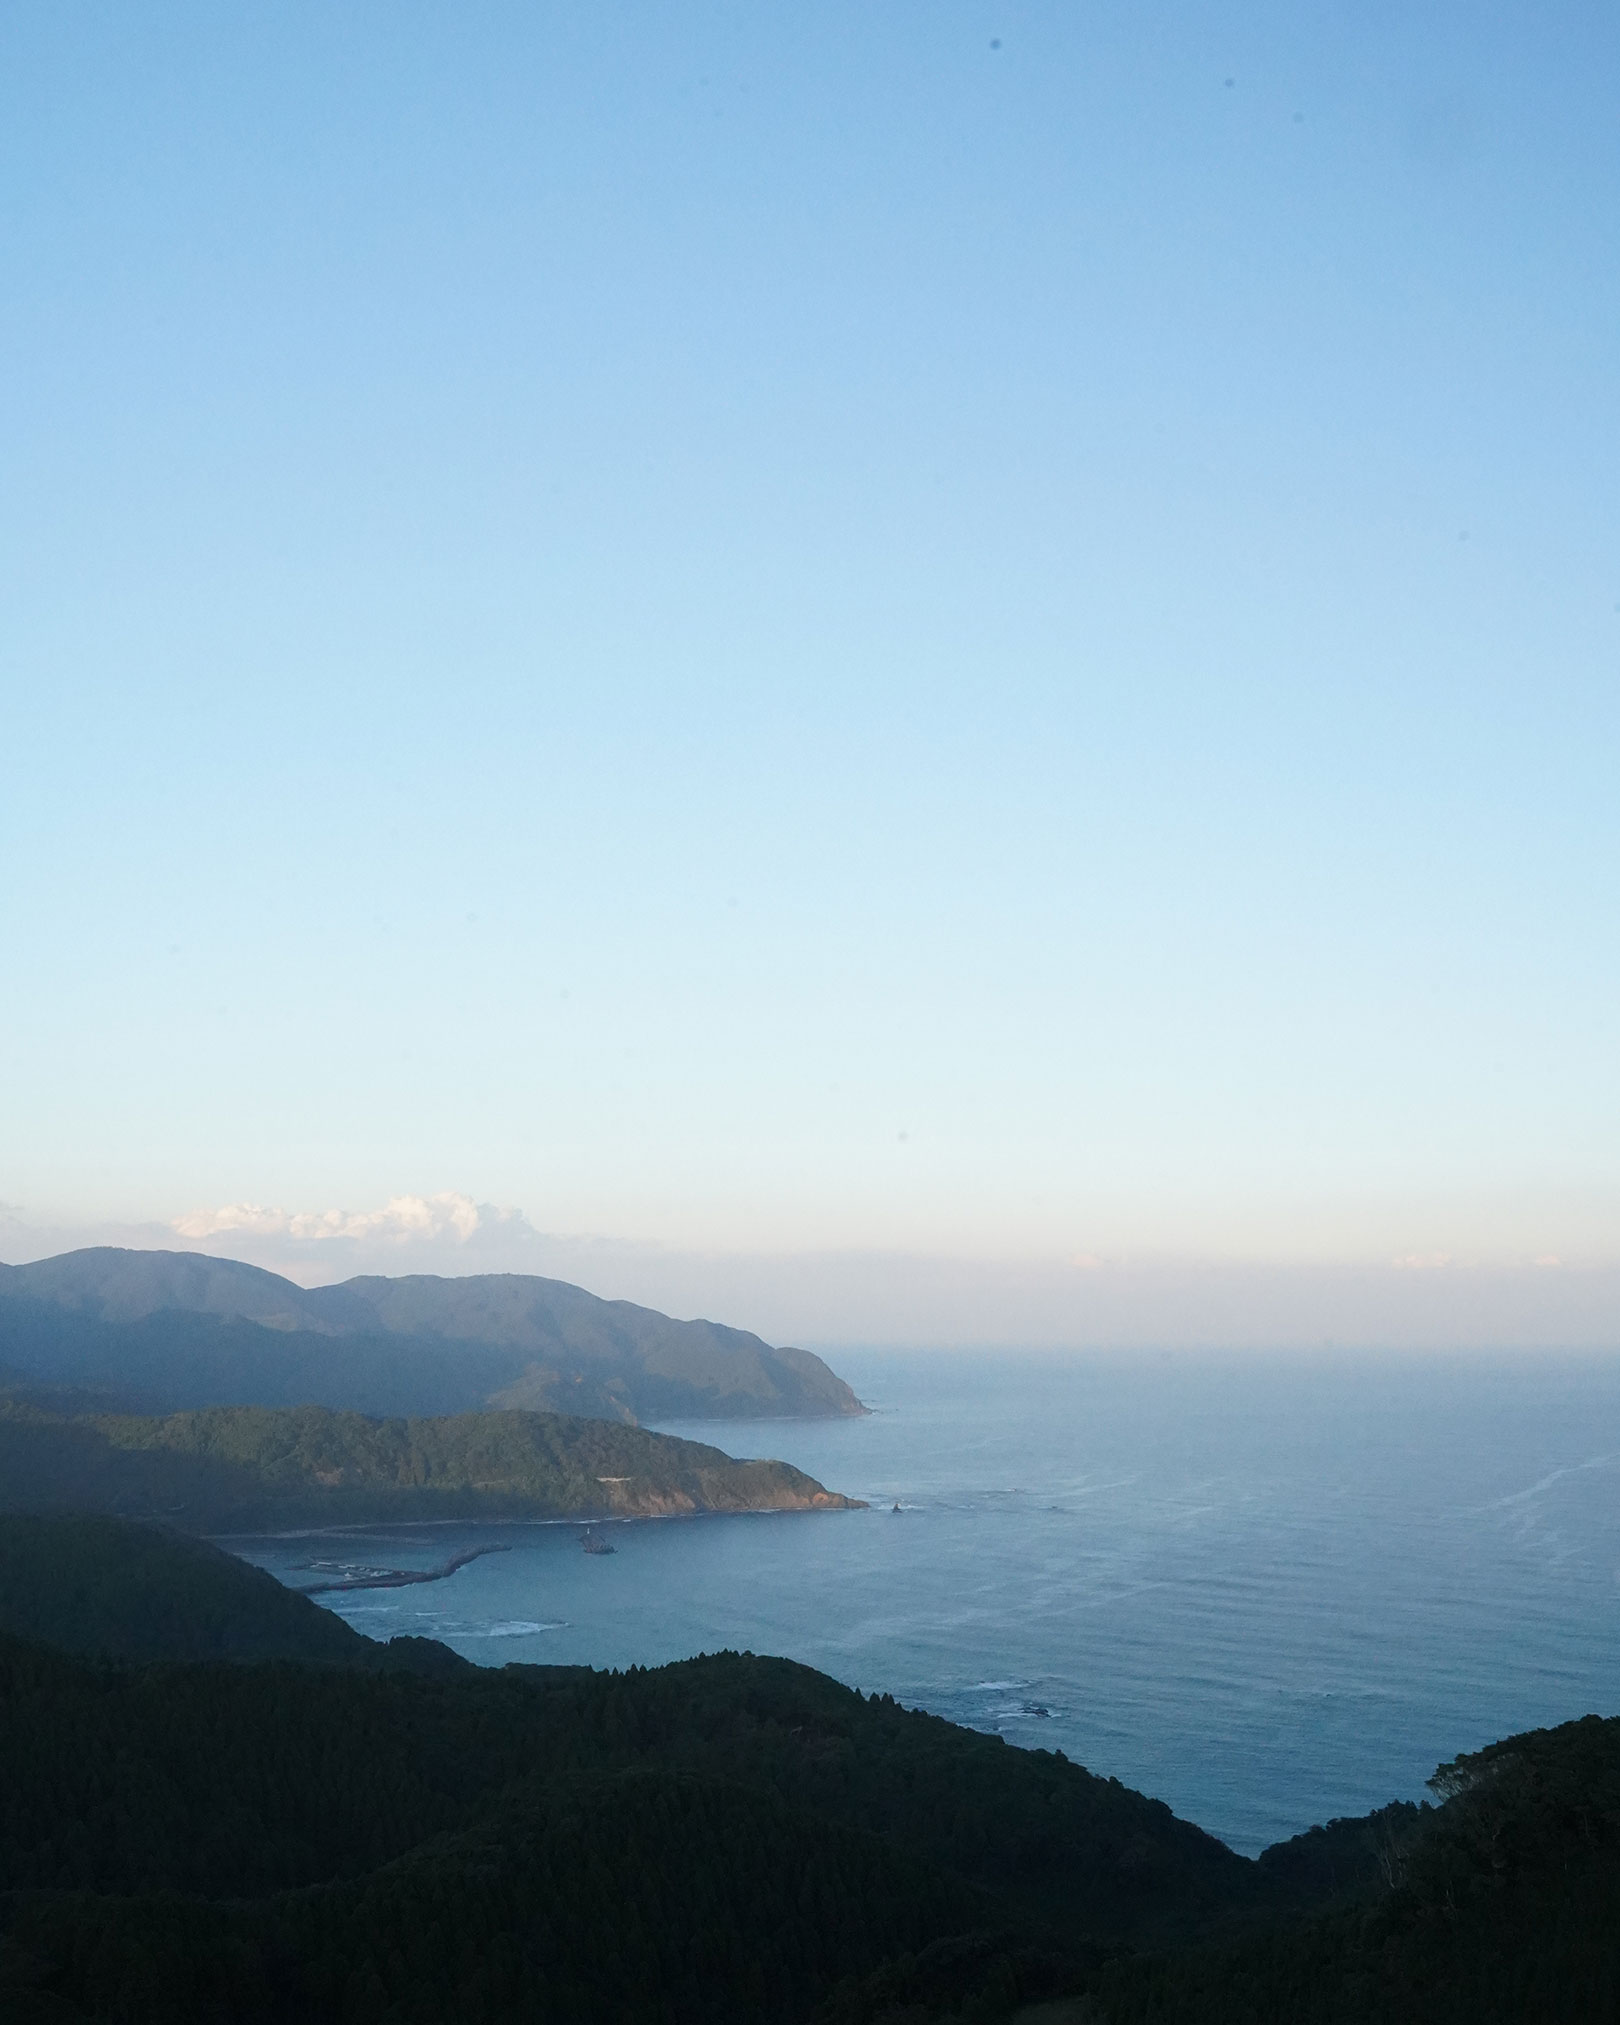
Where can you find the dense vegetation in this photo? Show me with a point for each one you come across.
(393, 1835)
(1501, 1907)
(179, 1329)
(94, 1585)
(727, 1839)
(100, 1586)
(248, 1468)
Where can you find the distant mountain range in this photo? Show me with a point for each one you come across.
(161, 1331)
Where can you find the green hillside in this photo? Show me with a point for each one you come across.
(247, 1468)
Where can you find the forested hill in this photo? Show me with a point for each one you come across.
(101, 1586)
(727, 1841)
(246, 1468)
(182, 1329)
(720, 1842)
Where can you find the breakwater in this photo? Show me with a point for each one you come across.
(399, 1578)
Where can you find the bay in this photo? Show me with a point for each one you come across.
(1267, 1590)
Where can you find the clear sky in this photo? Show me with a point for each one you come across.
(953, 628)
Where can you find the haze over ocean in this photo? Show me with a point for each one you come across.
(1268, 1591)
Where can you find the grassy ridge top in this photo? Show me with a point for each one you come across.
(241, 1469)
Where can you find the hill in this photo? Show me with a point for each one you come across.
(718, 1842)
(100, 1586)
(728, 1839)
(250, 1469)
(183, 1329)
(1501, 1906)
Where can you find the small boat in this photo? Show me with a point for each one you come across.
(593, 1543)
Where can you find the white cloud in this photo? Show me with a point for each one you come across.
(443, 1233)
(404, 1219)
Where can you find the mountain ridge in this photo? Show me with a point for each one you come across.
(180, 1325)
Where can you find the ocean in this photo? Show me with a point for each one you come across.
(1267, 1590)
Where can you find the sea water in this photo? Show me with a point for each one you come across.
(1267, 1590)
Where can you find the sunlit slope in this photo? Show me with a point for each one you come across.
(246, 1468)
(182, 1329)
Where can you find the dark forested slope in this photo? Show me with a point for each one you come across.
(183, 1329)
(102, 1587)
(96, 1585)
(720, 1842)
(1501, 1906)
(729, 1839)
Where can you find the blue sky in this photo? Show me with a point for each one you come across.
(951, 628)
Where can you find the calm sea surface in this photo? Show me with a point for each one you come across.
(1267, 1591)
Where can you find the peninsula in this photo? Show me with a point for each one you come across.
(240, 1469)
